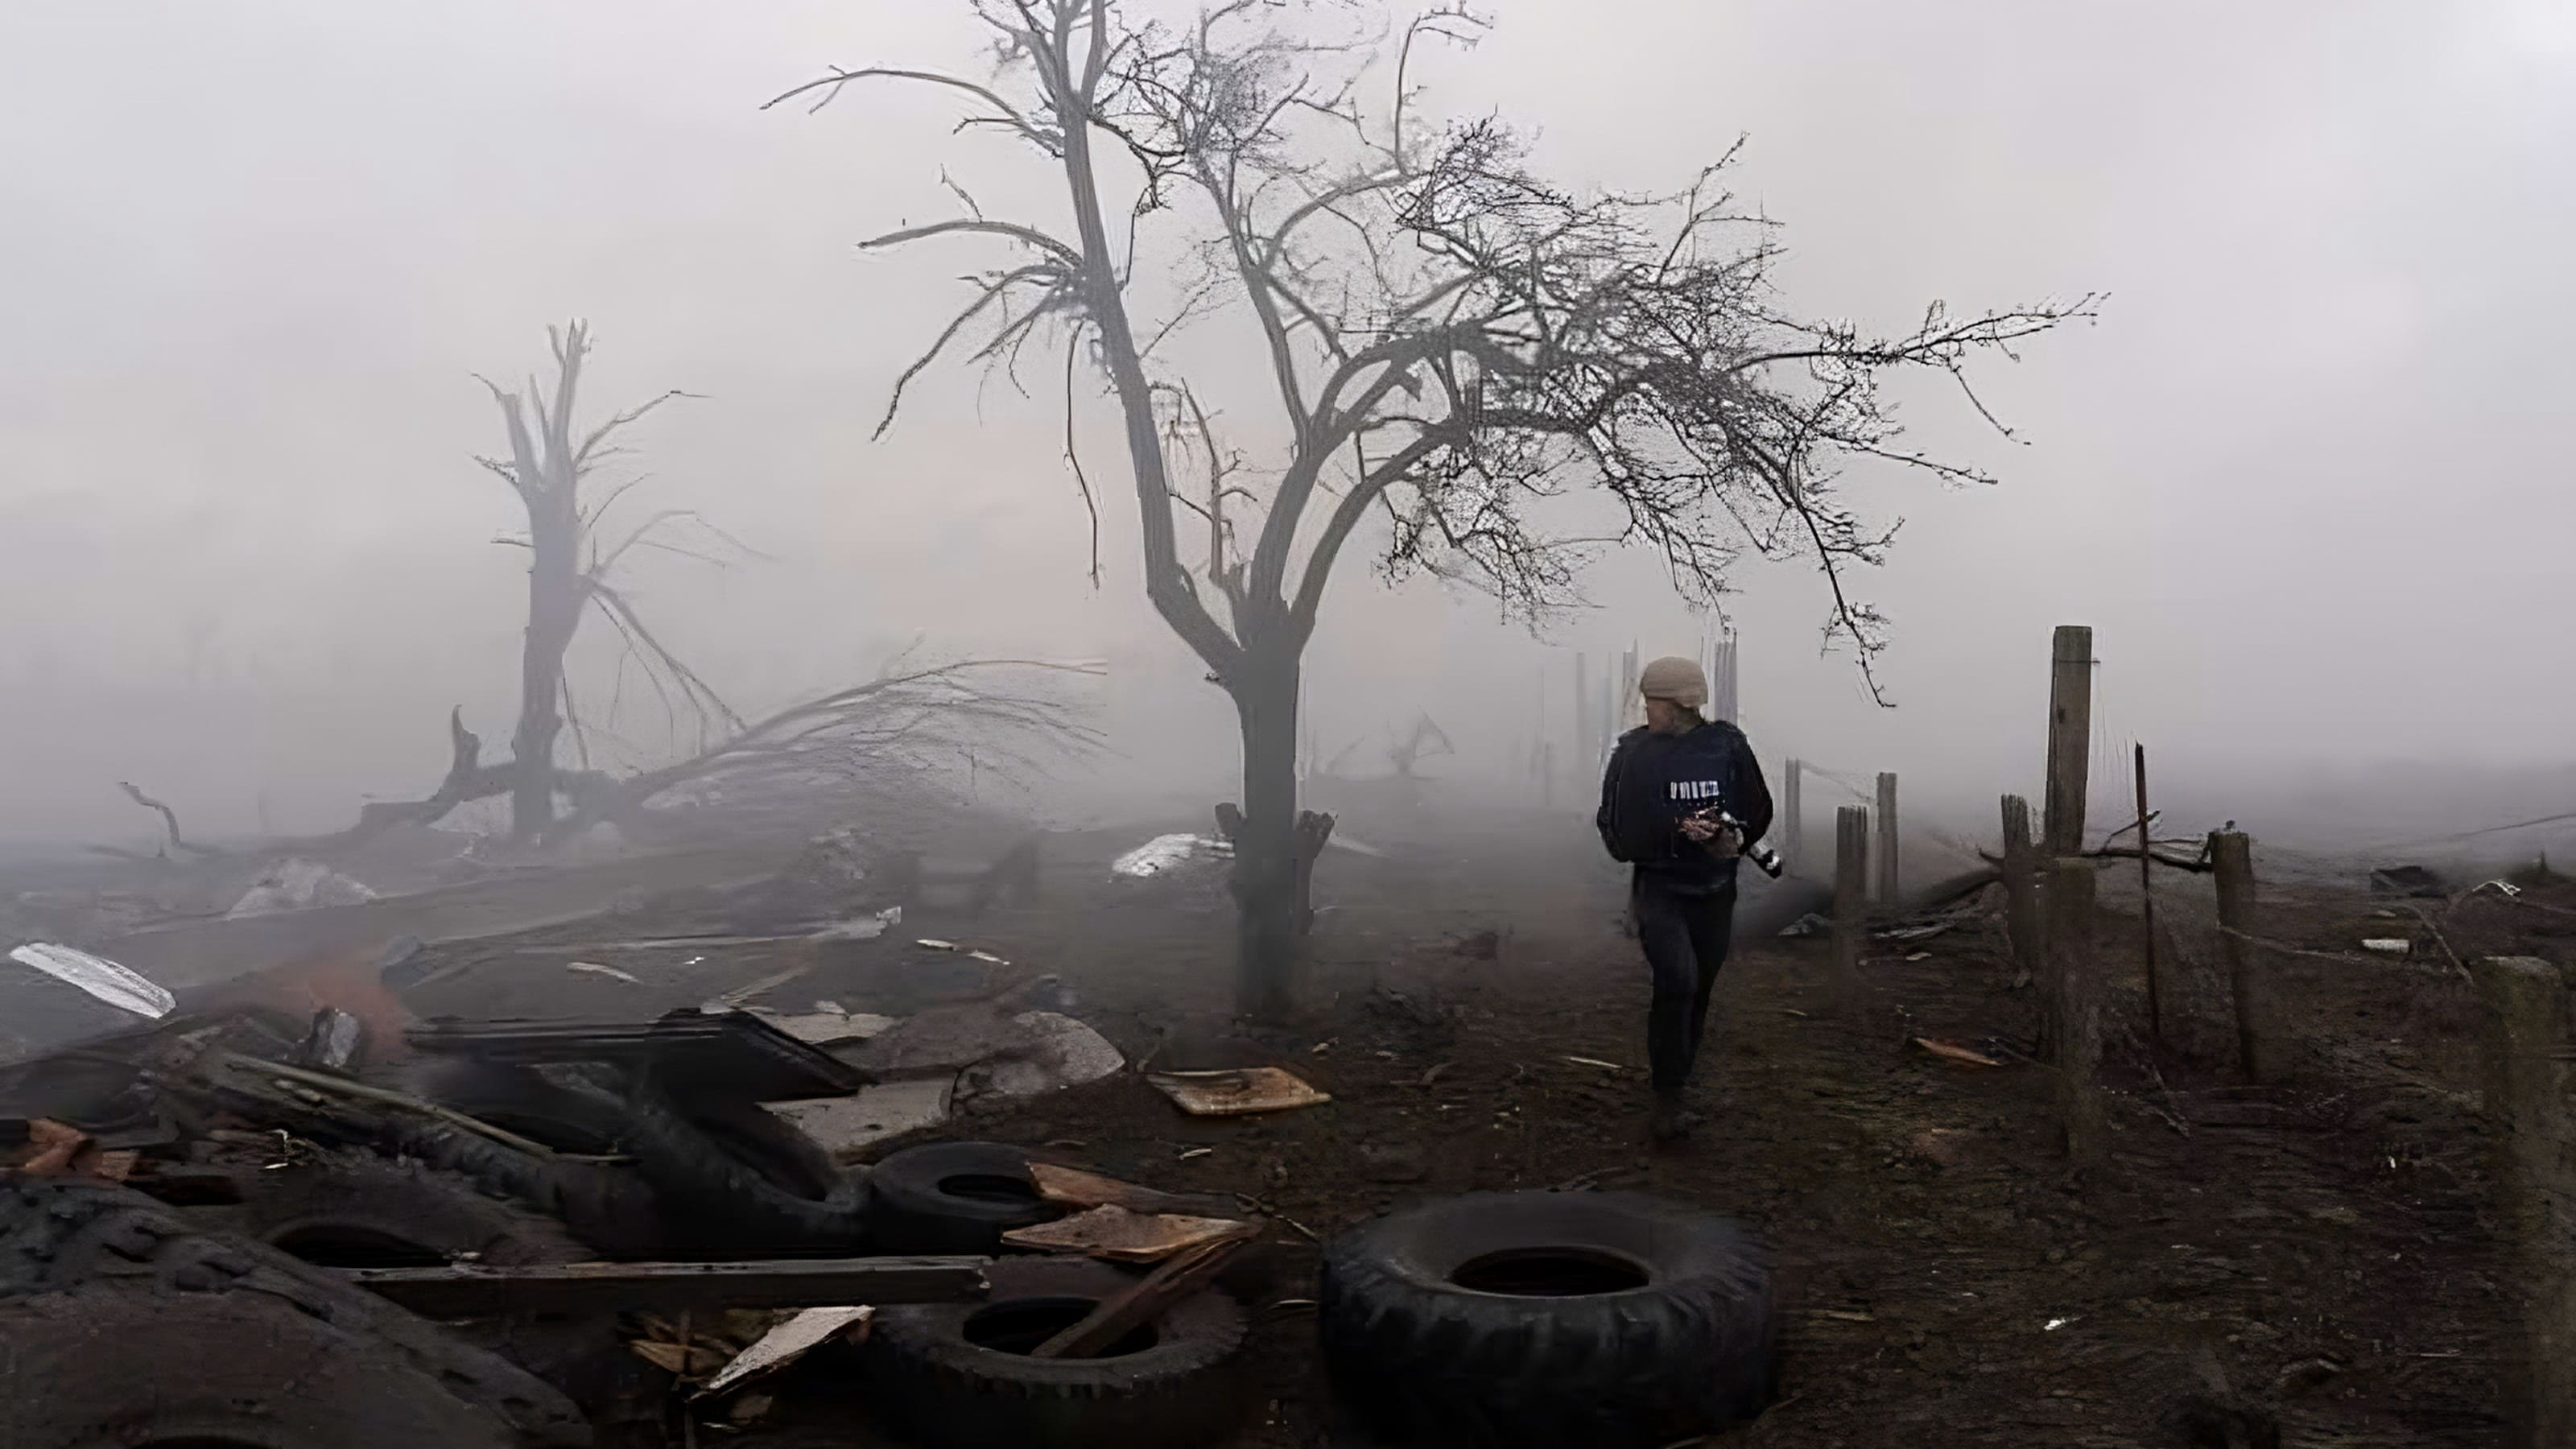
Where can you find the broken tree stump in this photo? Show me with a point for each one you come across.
(1851, 901)
(2528, 1077)
(2231, 855)
(2076, 978)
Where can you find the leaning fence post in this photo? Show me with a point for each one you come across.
(2534, 1134)
(2077, 979)
(1887, 837)
(1851, 899)
(2021, 910)
(2231, 855)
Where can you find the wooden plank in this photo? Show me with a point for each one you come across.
(472, 1290)
(1886, 825)
(2147, 912)
(2078, 1017)
(1119, 1314)
(1851, 903)
(2233, 855)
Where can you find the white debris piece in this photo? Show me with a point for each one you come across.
(1338, 841)
(1165, 853)
(827, 1024)
(98, 976)
(299, 885)
(1059, 1052)
(593, 968)
(846, 1126)
(787, 1343)
(862, 928)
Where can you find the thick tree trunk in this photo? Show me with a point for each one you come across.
(554, 610)
(1265, 845)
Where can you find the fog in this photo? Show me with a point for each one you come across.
(2303, 476)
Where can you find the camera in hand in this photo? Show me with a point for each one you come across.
(1762, 856)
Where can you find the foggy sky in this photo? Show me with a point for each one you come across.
(2302, 476)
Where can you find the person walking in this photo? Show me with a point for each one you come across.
(1661, 782)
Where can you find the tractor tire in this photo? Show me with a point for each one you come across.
(1503, 1320)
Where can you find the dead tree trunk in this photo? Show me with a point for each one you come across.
(554, 611)
(1266, 869)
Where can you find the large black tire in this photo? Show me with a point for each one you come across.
(1539, 1318)
(731, 1178)
(120, 1327)
(959, 1375)
(954, 1197)
(361, 1210)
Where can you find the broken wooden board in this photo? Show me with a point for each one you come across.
(1119, 1236)
(472, 1290)
(1177, 1278)
(1073, 1187)
(1237, 1092)
(1950, 1051)
(790, 1341)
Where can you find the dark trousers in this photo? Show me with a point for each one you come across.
(1685, 938)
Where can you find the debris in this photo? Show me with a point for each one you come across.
(1062, 1052)
(1165, 853)
(734, 1052)
(936, 945)
(2054, 1324)
(1074, 1187)
(1117, 1235)
(679, 1360)
(2389, 945)
(1810, 924)
(476, 1290)
(98, 976)
(299, 885)
(1920, 956)
(1237, 1092)
(2406, 880)
(846, 1127)
(593, 968)
(1198, 1152)
(789, 1342)
(1950, 1051)
(987, 956)
(334, 1041)
(1596, 1062)
(828, 1024)
(750, 1408)
(861, 928)
(1178, 1278)
(733, 999)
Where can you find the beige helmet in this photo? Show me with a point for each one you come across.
(1677, 679)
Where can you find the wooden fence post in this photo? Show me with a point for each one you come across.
(1792, 819)
(1851, 900)
(2077, 976)
(2021, 911)
(2231, 854)
(2527, 1082)
(2070, 740)
(2147, 912)
(1886, 838)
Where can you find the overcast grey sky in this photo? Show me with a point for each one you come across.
(2302, 476)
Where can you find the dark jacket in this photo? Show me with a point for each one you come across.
(1655, 780)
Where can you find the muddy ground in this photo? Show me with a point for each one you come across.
(2324, 1243)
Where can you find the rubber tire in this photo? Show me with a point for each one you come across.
(1424, 1361)
(943, 1391)
(732, 1178)
(914, 1211)
(443, 1216)
(440, 1213)
(119, 1326)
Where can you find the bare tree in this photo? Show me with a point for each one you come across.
(569, 571)
(1453, 341)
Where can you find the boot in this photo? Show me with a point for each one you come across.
(1671, 1121)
